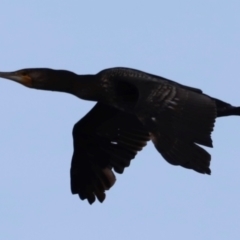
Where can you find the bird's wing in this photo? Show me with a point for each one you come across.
(178, 120)
(104, 139)
(197, 90)
(177, 116)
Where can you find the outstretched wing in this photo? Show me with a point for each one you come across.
(105, 139)
(179, 119)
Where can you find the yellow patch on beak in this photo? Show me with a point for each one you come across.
(26, 80)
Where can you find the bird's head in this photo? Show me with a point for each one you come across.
(40, 78)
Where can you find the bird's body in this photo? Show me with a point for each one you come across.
(132, 108)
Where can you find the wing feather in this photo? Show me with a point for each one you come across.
(106, 139)
(178, 124)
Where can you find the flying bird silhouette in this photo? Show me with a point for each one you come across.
(132, 108)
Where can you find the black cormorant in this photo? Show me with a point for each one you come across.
(132, 108)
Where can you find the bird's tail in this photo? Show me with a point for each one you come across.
(231, 111)
(225, 109)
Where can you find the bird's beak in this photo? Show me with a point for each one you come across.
(17, 77)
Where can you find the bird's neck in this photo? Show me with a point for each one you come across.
(86, 87)
(82, 86)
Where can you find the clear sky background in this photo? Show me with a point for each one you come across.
(196, 43)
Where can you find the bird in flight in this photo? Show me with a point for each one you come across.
(133, 107)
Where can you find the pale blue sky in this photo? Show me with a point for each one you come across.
(196, 43)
